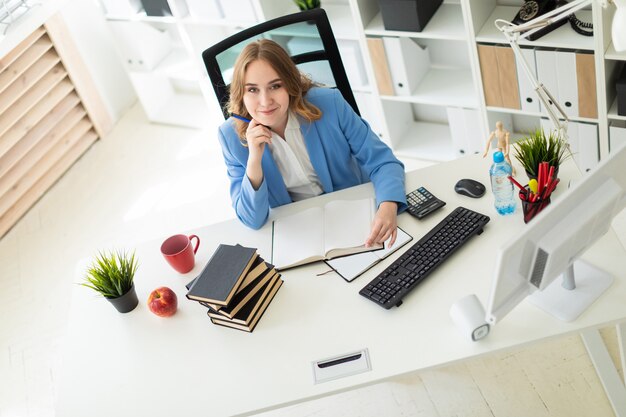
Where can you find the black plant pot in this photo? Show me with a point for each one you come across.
(126, 302)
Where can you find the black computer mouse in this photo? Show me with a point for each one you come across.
(470, 188)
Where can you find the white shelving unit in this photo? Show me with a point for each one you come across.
(414, 125)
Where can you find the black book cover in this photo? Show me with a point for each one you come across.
(222, 275)
(257, 268)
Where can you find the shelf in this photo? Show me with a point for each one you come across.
(443, 87)
(611, 53)
(538, 114)
(563, 37)
(429, 141)
(447, 24)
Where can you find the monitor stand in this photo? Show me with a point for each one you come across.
(567, 304)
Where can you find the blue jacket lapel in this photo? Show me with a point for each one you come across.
(276, 185)
(314, 146)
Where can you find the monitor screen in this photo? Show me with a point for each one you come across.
(552, 242)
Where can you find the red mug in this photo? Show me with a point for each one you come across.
(179, 253)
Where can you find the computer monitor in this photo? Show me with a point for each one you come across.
(552, 242)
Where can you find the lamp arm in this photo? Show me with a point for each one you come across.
(554, 110)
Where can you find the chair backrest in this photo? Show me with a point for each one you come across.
(306, 36)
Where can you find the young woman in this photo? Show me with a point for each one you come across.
(302, 141)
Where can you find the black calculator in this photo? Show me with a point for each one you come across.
(421, 203)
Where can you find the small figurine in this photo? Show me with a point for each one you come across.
(502, 135)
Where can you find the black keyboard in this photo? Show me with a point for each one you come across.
(421, 202)
(410, 269)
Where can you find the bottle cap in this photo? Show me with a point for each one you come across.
(498, 157)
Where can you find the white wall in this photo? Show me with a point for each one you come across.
(93, 38)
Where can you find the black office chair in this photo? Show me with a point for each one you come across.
(306, 36)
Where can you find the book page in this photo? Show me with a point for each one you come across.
(347, 223)
(350, 267)
(298, 237)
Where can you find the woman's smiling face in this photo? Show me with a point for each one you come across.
(265, 97)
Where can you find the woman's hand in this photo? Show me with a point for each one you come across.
(257, 136)
(385, 224)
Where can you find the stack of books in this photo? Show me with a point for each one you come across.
(236, 286)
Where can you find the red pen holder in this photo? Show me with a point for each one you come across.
(531, 208)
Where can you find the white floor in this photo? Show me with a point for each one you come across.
(147, 181)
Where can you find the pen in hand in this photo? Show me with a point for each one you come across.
(244, 119)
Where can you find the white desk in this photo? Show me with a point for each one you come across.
(140, 364)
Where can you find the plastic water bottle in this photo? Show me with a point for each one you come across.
(501, 186)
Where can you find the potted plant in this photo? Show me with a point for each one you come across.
(307, 4)
(537, 147)
(112, 275)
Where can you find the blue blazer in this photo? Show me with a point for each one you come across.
(344, 152)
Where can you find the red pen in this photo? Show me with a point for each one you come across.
(541, 177)
(551, 173)
(551, 187)
(520, 186)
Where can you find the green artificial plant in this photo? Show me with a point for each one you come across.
(538, 147)
(307, 4)
(111, 274)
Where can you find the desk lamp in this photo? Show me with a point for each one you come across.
(513, 33)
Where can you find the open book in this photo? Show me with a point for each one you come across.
(339, 228)
(350, 267)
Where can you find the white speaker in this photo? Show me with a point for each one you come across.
(469, 316)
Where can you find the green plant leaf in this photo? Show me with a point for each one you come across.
(537, 147)
(111, 274)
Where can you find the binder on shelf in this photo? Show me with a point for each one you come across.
(370, 112)
(353, 62)
(567, 82)
(587, 146)
(617, 135)
(507, 77)
(489, 75)
(546, 72)
(379, 63)
(586, 85)
(583, 141)
(528, 96)
(456, 121)
(620, 90)
(141, 45)
(466, 130)
(408, 63)
(475, 131)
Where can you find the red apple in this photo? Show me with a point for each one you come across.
(163, 302)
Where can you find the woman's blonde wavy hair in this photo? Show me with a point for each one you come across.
(296, 83)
